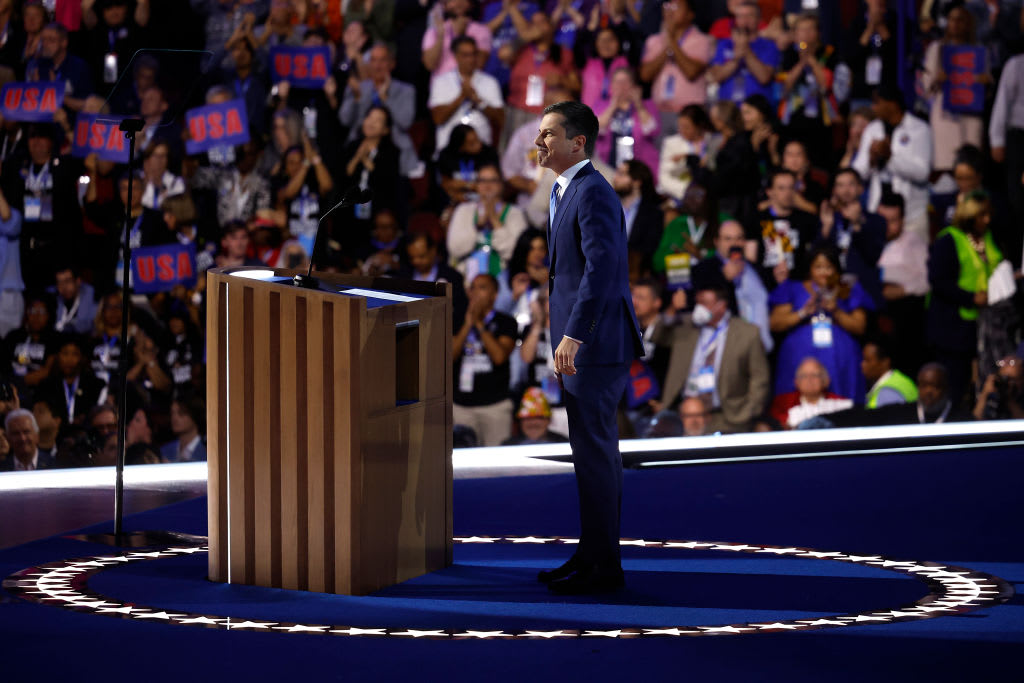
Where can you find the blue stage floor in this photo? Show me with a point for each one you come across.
(802, 543)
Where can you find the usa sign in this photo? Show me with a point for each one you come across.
(160, 268)
(216, 125)
(302, 67)
(37, 101)
(962, 92)
(99, 134)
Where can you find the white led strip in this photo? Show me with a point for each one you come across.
(954, 591)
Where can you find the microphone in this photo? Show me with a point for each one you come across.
(353, 195)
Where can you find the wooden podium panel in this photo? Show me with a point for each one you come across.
(329, 429)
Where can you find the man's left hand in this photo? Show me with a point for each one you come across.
(565, 356)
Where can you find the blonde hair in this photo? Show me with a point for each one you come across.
(969, 207)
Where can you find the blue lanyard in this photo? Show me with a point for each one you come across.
(707, 345)
(467, 169)
(69, 397)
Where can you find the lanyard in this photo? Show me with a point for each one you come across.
(37, 182)
(467, 169)
(69, 397)
(69, 314)
(695, 233)
(473, 333)
(710, 342)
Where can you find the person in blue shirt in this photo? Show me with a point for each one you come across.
(745, 64)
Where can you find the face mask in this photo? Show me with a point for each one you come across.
(701, 315)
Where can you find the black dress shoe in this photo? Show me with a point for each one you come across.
(589, 581)
(549, 575)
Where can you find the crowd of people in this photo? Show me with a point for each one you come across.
(823, 203)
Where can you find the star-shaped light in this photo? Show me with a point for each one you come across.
(474, 539)
(166, 616)
(200, 620)
(186, 551)
(738, 547)
(249, 624)
(95, 604)
(640, 542)
(862, 558)
(865, 617)
(820, 554)
(413, 633)
(124, 609)
(483, 634)
(301, 628)
(532, 539)
(780, 551)
(136, 556)
(549, 634)
(776, 625)
(687, 544)
(603, 634)
(822, 622)
(724, 629)
(665, 632)
(353, 631)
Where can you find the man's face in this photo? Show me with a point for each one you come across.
(709, 300)
(884, 109)
(794, 158)
(871, 365)
(114, 15)
(421, 257)
(23, 438)
(385, 227)
(645, 303)
(40, 148)
(534, 427)
(847, 190)
(746, 19)
(893, 221)
(465, 58)
(105, 424)
(112, 310)
(554, 149)
(621, 182)
(730, 234)
(138, 429)
(37, 317)
(380, 64)
(67, 285)
(782, 192)
(805, 32)
(695, 417)
(482, 291)
(931, 389)
(137, 189)
(152, 103)
(236, 244)
(51, 44)
(810, 380)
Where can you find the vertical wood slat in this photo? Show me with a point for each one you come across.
(328, 512)
(259, 342)
(314, 452)
(347, 472)
(237, 389)
(301, 443)
(216, 420)
(274, 397)
(289, 529)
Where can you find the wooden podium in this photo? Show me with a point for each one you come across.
(329, 430)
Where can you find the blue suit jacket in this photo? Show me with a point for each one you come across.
(589, 286)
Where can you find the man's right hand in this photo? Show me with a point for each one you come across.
(999, 154)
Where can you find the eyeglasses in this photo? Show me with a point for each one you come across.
(1008, 362)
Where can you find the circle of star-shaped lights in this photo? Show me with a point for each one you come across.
(954, 590)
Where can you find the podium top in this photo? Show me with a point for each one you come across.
(375, 297)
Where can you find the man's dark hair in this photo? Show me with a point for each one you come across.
(882, 350)
(577, 119)
(650, 284)
(490, 279)
(971, 156)
(427, 238)
(231, 227)
(462, 40)
(779, 172)
(894, 200)
(638, 170)
(849, 171)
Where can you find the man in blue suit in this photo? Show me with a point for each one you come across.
(595, 337)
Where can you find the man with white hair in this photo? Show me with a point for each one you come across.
(23, 435)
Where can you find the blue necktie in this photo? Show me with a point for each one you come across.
(553, 206)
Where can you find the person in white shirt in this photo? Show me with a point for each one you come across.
(466, 95)
(896, 155)
(1006, 132)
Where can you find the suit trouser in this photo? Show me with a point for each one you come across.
(591, 400)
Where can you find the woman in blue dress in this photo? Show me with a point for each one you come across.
(821, 317)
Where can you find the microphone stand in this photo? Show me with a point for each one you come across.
(129, 127)
(352, 196)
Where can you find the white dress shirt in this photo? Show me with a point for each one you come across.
(908, 168)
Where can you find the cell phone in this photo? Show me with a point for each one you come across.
(6, 392)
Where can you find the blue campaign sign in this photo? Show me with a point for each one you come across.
(962, 92)
(643, 385)
(302, 67)
(99, 133)
(216, 125)
(37, 101)
(160, 268)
